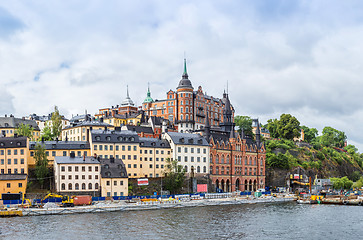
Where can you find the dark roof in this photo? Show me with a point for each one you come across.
(13, 142)
(61, 145)
(12, 122)
(88, 123)
(187, 139)
(139, 129)
(13, 176)
(75, 160)
(123, 116)
(113, 168)
(154, 143)
(123, 136)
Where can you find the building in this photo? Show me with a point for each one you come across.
(13, 183)
(265, 133)
(118, 120)
(185, 107)
(8, 125)
(46, 120)
(80, 131)
(14, 155)
(191, 151)
(114, 180)
(143, 157)
(59, 149)
(237, 162)
(126, 107)
(77, 175)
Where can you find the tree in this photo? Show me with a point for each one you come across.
(272, 128)
(288, 127)
(56, 123)
(41, 164)
(332, 138)
(245, 123)
(25, 130)
(174, 176)
(53, 129)
(310, 134)
(341, 183)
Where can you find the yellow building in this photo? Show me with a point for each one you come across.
(59, 149)
(14, 155)
(8, 125)
(13, 183)
(80, 131)
(114, 180)
(118, 120)
(143, 157)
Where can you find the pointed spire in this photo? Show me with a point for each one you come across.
(148, 98)
(127, 93)
(185, 73)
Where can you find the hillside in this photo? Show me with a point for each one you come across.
(284, 156)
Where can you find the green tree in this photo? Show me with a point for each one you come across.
(174, 176)
(245, 123)
(341, 183)
(310, 134)
(46, 133)
(332, 138)
(272, 128)
(288, 127)
(25, 130)
(56, 123)
(41, 164)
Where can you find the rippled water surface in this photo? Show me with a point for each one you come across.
(250, 221)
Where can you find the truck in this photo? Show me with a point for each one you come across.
(71, 201)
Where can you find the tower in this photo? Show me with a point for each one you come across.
(227, 124)
(185, 104)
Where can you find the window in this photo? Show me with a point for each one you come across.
(1, 152)
(128, 148)
(15, 151)
(179, 158)
(64, 153)
(9, 152)
(76, 187)
(70, 186)
(100, 147)
(53, 153)
(63, 186)
(15, 161)
(108, 183)
(96, 186)
(192, 159)
(106, 148)
(186, 150)
(150, 166)
(90, 186)
(2, 162)
(9, 161)
(90, 169)
(121, 183)
(185, 159)
(83, 169)
(22, 171)
(76, 177)
(96, 168)
(21, 151)
(69, 169)
(63, 168)
(83, 186)
(90, 177)
(179, 149)
(69, 177)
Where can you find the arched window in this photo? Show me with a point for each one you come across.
(227, 170)
(217, 170)
(227, 161)
(261, 161)
(217, 159)
(186, 168)
(83, 186)
(181, 117)
(90, 186)
(250, 161)
(76, 187)
(204, 169)
(186, 109)
(222, 159)
(96, 186)
(211, 158)
(70, 186)
(186, 117)
(198, 169)
(222, 170)
(181, 110)
(211, 170)
(254, 161)
(246, 161)
(63, 186)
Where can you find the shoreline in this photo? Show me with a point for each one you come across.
(123, 206)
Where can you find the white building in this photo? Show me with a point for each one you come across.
(77, 175)
(191, 150)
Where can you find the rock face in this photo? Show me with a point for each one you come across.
(311, 163)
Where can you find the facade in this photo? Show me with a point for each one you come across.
(126, 107)
(59, 149)
(9, 124)
(77, 175)
(80, 131)
(143, 157)
(118, 120)
(191, 151)
(43, 121)
(13, 183)
(185, 107)
(14, 155)
(265, 133)
(114, 180)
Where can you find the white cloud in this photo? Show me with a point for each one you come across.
(303, 58)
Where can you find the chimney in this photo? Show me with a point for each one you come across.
(72, 155)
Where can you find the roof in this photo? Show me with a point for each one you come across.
(113, 168)
(13, 142)
(123, 136)
(187, 139)
(91, 123)
(13, 176)
(154, 143)
(12, 122)
(76, 160)
(61, 145)
(139, 129)
(185, 82)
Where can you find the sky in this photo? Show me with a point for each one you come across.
(299, 57)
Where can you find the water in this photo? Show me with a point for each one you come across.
(249, 221)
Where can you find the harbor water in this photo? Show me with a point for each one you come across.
(243, 221)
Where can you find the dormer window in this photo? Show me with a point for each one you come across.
(18, 143)
(98, 138)
(152, 144)
(108, 138)
(119, 138)
(108, 174)
(106, 166)
(54, 146)
(190, 141)
(132, 139)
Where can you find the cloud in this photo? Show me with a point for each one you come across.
(298, 57)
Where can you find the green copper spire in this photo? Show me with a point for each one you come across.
(148, 98)
(185, 74)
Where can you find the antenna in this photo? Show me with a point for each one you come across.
(227, 86)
